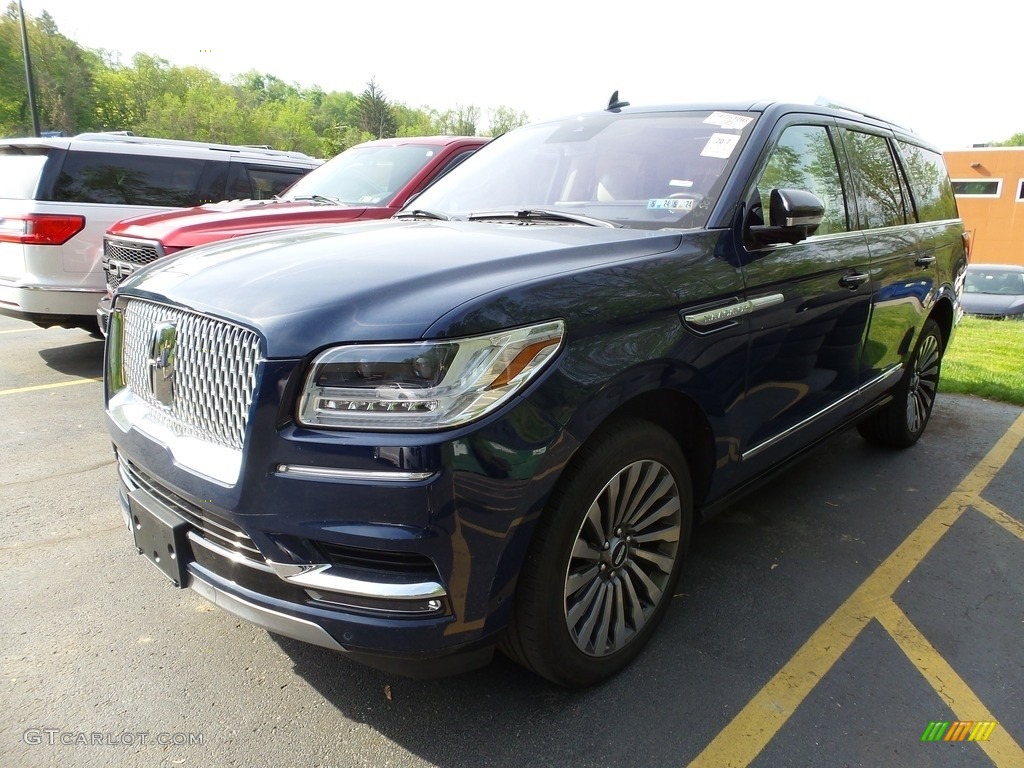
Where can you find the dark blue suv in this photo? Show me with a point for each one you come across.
(494, 420)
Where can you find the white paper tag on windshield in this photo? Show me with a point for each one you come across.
(728, 120)
(720, 145)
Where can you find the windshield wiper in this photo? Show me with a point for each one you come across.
(421, 213)
(324, 199)
(540, 214)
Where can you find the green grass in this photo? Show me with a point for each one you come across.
(986, 359)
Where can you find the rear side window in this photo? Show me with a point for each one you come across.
(124, 179)
(261, 182)
(879, 193)
(20, 172)
(929, 182)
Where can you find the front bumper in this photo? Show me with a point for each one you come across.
(402, 557)
(320, 604)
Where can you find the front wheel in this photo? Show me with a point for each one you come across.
(900, 423)
(605, 556)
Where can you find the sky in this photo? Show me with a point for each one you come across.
(948, 72)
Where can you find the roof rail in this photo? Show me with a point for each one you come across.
(130, 138)
(824, 101)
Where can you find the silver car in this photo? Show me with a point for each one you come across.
(994, 290)
(59, 195)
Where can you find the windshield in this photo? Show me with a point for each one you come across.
(646, 171)
(995, 281)
(363, 175)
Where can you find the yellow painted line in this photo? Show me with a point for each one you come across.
(23, 330)
(1011, 524)
(1002, 750)
(40, 387)
(756, 724)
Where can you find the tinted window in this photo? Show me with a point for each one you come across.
(123, 179)
(879, 195)
(20, 172)
(929, 182)
(262, 183)
(805, 158)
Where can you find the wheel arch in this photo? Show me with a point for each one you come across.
(683, 418)
(943, 315)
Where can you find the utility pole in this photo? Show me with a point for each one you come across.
(28, 72)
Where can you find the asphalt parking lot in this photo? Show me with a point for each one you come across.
(826, 620)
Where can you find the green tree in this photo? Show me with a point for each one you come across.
(14, 117)
(504, 119)
(376, 115)
(1017, 140)
(460, 121)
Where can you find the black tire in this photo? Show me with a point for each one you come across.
(605, 557)
(901, 422)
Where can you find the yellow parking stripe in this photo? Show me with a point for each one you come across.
(1012, 524)
(1002, 750)
(39, 387)
(757, 723)
(22, 330)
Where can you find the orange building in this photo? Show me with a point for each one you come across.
(989, 187)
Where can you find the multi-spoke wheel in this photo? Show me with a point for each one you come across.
(900, 423)
(623, 558)
(605, 556)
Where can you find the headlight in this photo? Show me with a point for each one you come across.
(424, 385)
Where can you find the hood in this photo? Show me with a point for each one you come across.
(993, 304)
(376, 281)
(189, 227)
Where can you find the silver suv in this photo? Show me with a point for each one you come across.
(58, 197)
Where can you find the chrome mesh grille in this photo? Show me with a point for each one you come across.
(215, 365)
(122, 257)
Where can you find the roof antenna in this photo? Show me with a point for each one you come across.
(614, 105)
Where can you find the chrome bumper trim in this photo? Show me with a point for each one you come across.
(376, 476)
(320, 576)
(235, 557)
(218, 463)
(50, 288)
(273, 621)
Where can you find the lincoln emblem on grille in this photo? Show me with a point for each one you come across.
(161, 362)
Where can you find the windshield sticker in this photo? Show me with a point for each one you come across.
(726, 120)
(720, 145)
(680, 183)
(671, 203)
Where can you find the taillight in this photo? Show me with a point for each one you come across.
(40, 228)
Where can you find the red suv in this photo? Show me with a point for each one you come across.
(369, 181)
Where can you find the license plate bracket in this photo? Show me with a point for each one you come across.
(161, 536)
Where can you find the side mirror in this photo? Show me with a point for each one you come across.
(795, 215)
